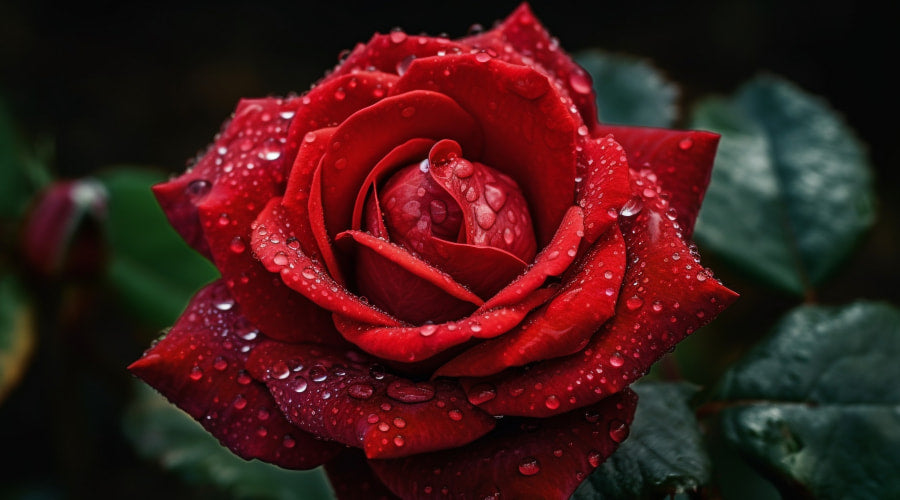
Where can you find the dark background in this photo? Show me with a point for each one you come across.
(148, 84)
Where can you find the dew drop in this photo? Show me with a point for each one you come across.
(482, 57)
(372, 418)
(310, 137)
(279, 370)
(616, 359)
(618, 431)
(340, 163)
(632, 207)
(240, 402)
(196, 373)
(360, 391)
(685, 144)
(308, 273)
(198, 188)
(595, 458)
(427, 330)
(485, 217)
(318, 374)
(243, 378)
(299, 384)
(495, 196)
(529, 466)
(220, 363)
(481, 393)
(288, 441)
(399, 441)
(377, 372)
(408, 392)
(475, 328)
(455, 415)
(237, 245)
(408, 112)
(280, 259)
(608, 275)
(552, 402)
(398, 36)
(384, 427)
(633, 303)
(399, 423)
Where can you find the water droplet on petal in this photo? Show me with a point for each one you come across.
(427, 330)
(632, 207)
(360, 391)
(399, 441)
(196, 373)
(377, 372)
(685, 144)
(243, 378)
(240, 402)
(399, 422)
(280, 259)
(481, 393)
(408, 392)
(408, 112)
(529, 466)
(634, 302)
(237, 245)
(618, 430)
(482, 57)
(552, 402)
(299, 384)
(616, 359)
(198, 188)
(398, 36)
(595, 458)
(455, 415)
(495, 196)
(288, 441)
(220, 363)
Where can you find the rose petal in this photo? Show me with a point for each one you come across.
(371, 133)
(411, 151)
(561, 327)
(604, 188)
(353, 479)
(533, 458)
(484, 270)
(330, 102)
(493, 207)
(529, 134)
(553, 260)
(666, 295)
(392, 53)
(524, 35)
(343, 397)
(279, 251)
(406, 286)
(682, 161)
(410, 344)
(199, 366)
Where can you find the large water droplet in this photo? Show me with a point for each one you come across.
(197, 189)
(240, 402)
(634, 302)
(399, 441)
(595, 458)
(618, 430)
(279, 370)
(408, 392)
(529, 466)
(196, 373)
(495, 196)
(580, 82)
(220, 363)
(427, 330)
(299, 384)
(551, 402)
(455, 415)
(616, 359)
(360, 391)
(280, 259)
(237, 245)
(685, 144)
(485, 217)
(399, 422)
(632, 207)
(318, 373)
(481, 393)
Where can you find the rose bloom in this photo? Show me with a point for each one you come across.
(440, 273)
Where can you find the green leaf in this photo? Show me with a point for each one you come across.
(15, 189)
(154, 270)
(17, 333)
(161, 432)
(817, 406)
(791, 191)
(663, 454)
(630, 91)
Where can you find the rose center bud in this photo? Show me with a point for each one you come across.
(446, 198)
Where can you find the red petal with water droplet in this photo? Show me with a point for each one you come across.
(604, 186)
(682, 161)
(662, 300)
(273, 244)
(199, 366)
(534, 458)
(404, 285)
(371, 133)
(533, 46)
(553, 260)
(529, 134)
(561, 327)
(337, 396)
(353, 479)
(410, 344)
(392, 53)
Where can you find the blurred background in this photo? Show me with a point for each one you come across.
(93, 86)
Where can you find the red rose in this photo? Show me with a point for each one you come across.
(437, 235)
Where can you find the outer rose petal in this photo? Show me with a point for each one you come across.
(666, 296)
(353, 479)
(542, 459)
(199, 366)
(411, 344)
(604, 188)
(529, 134)
(392, 53)
(561, 327)
(521, 39)
(343, 397)
(682, 160)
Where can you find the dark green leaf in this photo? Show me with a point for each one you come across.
(630, 91)
(161, 432)
(817, 407)
(17, 335)
(151, 266)
(791, 190)
(663, 454)
(15, 190)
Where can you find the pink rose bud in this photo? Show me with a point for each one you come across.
(62, 231)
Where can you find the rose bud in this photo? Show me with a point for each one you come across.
(437, 235)
(62, 232)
